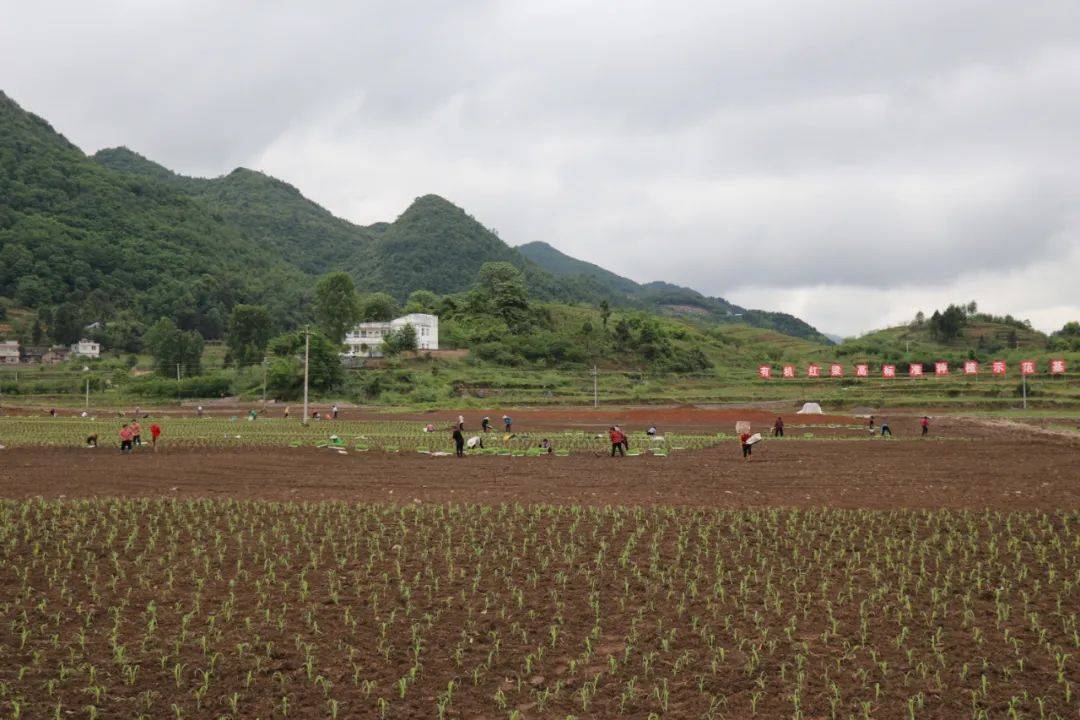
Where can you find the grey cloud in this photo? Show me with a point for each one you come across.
(754, 149)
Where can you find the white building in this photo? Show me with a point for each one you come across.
(86, 348)
(9, 352)
(366, 339)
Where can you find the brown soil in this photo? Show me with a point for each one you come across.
(986, 467)
(209, 610)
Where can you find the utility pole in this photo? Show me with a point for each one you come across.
(595, 388)
(1023, 384)
(178, 400)
(307, 351)
(87, 405)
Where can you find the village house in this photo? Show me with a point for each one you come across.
(31, 354)
(366, 339)
(86, 348)
(55, 355)
(9, 352)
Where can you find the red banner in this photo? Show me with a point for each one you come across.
(836, 370)
(888, 371)
(999, 367)
(789, 371)
(941, 368)
(971, 367)
(862, 371)
(813, 371)
(915, 370)
(764, 371)
(1027, 367)
(1057, 367)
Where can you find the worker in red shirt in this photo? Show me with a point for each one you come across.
(617, 440)
(747, 447)
(125, 439)
(925, 423)
(155, 433)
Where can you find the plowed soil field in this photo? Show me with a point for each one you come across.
(835, 576)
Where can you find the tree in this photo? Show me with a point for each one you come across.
(605, 312)
(946, 326)
(16, 262)
(399, 341)
(67, 326)
(422, 301)
(920, 318)
(249, 333)
(173, 348)
(337, 307)
(123, 332)
(972, 308)
(31, 291)
(500, 286)
(378, 307)
(286, 375)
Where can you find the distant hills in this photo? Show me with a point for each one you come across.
(117, 230)
(666, 298)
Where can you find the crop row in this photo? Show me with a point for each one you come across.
(227, 609)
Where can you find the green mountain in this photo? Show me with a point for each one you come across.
(118, 231)
(73, 230)
(562, 265)
(269, 211)
(665, 298)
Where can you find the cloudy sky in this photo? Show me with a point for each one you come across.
(849, 162)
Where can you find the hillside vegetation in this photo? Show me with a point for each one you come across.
(117, 235)
(666, 298)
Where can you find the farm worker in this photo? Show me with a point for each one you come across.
(871, 424)
(625, 439)
(485, 424)
(136, 433)
(885, 429)
(198, 411)
(475, 442)
(459, 442)
(155, 433)
(334, 411)
(91, 440)
(778, 427)
(125, 439)
(52, 412)
(507, 422)
(617, 439)
(287, 409)
(747, 447)
(925, 423)
(651, 431)
(461, 422)
(430, 427)
(253, 414)
(545, 445)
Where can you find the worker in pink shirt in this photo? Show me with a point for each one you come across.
(125, 438)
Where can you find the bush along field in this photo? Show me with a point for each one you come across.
(227, 609)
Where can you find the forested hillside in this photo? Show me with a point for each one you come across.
(666, 298)
(73, 232)
(120, 240)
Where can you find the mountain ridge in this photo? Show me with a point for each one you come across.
(668, 298)
(164, 243)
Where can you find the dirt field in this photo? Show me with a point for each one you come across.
(962, 465)
(471, 588)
